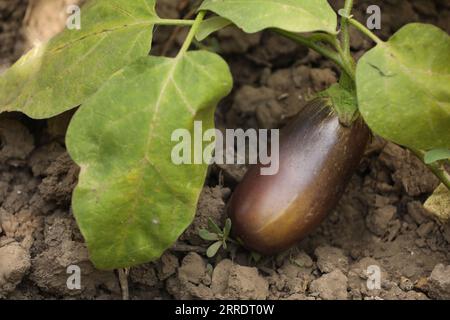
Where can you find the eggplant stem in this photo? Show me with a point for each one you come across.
(360, 27)
(441, 174)
(438, 170)
(312, 43)
(345, 51)
(344, 27)
(192, 33)
(347, 60)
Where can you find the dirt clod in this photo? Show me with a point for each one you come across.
(417, 212)
(220, 276)
(61, 179)
(439, 282)
(168, 266)
(193, 268)
(248, 99)
(235, 41)
(14, 263)
(331, 286)
(378, 220)
(425, 229)
(16, 142)
(144, 274)
(232, 281)
(358, 279)
(411, 174)
(49, 271)
(42, 158)
(246, 283)
(329, 259)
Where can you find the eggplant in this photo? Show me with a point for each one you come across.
(317, 157)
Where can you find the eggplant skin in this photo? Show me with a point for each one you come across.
(317, 158)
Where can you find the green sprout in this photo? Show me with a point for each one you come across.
(221, 237)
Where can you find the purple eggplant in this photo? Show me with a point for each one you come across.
(318, 155)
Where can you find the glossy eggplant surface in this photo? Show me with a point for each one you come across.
(317, 158)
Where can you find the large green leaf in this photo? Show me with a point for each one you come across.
(290, 15)
(61, 74)
(132, 202)
(404, 88)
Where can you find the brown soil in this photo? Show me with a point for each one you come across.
(380, 220)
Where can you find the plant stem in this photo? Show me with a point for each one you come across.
(233, 241)
(365, 31)
(175, 22)
(192, 32)
(123, 281)
(311, 43)
(437, 169)
(441, 173)
(347, 60)
(344, 50)
(344, 27)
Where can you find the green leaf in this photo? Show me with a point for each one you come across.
(209, 269)
(290, 15)
(404, 88)
(132, 202)
(213, 249)
(208, 236)
(213, 226)
(227, 229)
(342, 101)
(210, 26)
(436, 155)
(59, 75)
(343, 13)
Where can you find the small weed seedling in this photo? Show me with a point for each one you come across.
(219, 236)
